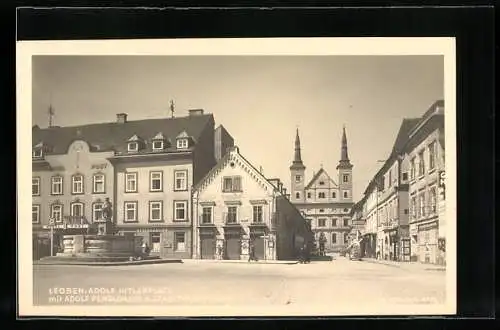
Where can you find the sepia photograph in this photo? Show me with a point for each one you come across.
(237, 177)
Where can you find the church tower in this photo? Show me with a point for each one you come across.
(344, 169)
(297, 171)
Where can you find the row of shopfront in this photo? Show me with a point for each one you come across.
(419, 243)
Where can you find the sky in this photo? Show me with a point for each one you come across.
(260, 100)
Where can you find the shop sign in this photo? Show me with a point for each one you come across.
(442, 177)
(67, 226)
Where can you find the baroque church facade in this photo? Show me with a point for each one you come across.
(325, 200)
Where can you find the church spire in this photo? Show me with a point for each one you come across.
(344, 156)
(297, 159)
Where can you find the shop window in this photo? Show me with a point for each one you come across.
(180, 241)
(155, 242)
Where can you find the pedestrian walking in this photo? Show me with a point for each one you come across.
(251, 255)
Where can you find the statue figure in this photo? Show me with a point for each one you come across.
(107, 210)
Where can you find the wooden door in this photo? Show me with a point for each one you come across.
(233, 246)
(207, 247)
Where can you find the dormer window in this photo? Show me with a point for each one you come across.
(133, 147)
(158, 142)
(134, 143)
(157, 145)
(182, 144)
(183, 140)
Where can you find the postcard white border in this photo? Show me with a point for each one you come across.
(257, 46)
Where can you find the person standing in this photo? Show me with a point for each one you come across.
(251, 255)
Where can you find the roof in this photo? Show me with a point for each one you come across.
(223, 161)
(401, 138)
(114, 135)
(316, 176)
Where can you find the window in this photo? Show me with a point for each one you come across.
(180, 211)
(156, 211)
(422, 205)
(413, 207)
(405, 176)
(298, 178)
(406, 211)
(57, 185)
(322, 183)
(56, 212)
(322, 222)
(334, 222)
(182, 143)
(321, 210)
(35, 187)
(297, 195)
(334, 238)
(346, 222)
(433, 200)
(308, 195)
(346, 238)
(321, 195)
(98, 183)
(421, 164)
(390, 178)
(257, 213)
(97, 212)
(334, 194)
(206, 216)
(77, 184)
(35, 213)
(77, 210)
(130, 211)
(412, 168)
(346, 194)
(432, 156)
(37, 153)
(157, 145)
(133, 147)
(232, 184)
(156, 179)
(180, 178)
(180, 241)
(131, 182)
(345, 178)
(232, 214)
(155, 242)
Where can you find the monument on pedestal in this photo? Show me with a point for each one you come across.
(103, 246)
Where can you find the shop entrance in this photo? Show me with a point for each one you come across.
(207, 245)
(233, 247)
(258, 243)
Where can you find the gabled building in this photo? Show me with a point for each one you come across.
(235, 206)
(325, 201)
(147, 169)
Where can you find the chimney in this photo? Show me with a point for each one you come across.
(121, 118)
(195, 112)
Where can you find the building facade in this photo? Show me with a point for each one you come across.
(326, 202)
(146, 168)
(425, 152)
(236, 206)
(403, 205)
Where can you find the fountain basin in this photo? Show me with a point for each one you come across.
(103, 246)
